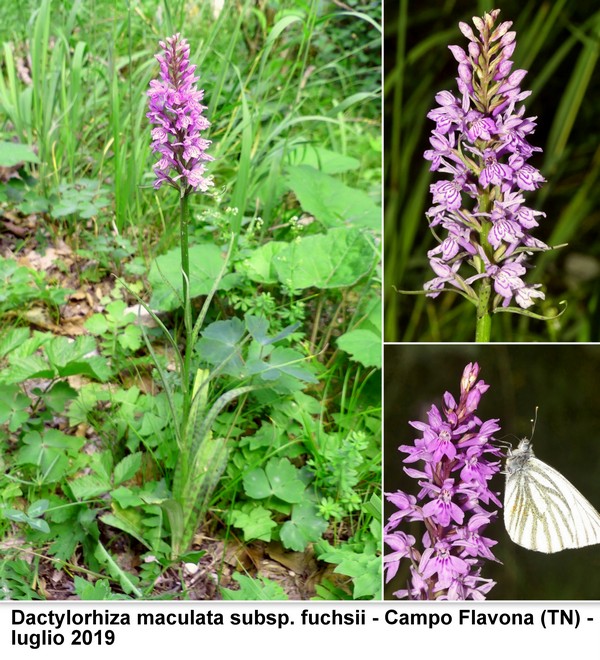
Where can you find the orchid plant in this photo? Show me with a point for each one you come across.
(178, 120)
(452, 504)
(480, 140)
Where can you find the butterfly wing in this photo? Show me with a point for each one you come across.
(543, 511)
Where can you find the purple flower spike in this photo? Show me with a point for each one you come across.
(480, 141)
(458, 460)
(176, 113)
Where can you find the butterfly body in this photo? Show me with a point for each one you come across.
(543, 511)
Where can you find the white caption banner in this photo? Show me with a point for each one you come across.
(294, 630)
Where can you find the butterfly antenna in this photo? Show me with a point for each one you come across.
(534, 422)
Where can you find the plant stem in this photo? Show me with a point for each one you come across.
(187, 304)
(483, 328)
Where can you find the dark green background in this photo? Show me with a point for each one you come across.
(564, 381)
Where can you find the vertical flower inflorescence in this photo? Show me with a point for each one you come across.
(177, 116)
(480, 141)
(458, 461)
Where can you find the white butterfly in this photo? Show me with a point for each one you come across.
(542, 510)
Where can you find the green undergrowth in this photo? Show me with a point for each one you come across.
(288, 358)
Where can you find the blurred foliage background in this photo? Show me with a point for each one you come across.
(558, 43)
(562, 381)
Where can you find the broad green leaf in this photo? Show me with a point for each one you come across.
(363, 345)
(337, 259)
(115, 311)
(258, 327)
(194, 556)
(268, 436)
(39, 525)
(68, 536)
(259, 265)
(10, 491)
(363, 340)
(130, 338)
(89, 486)
(71, 358)
(127, 468)
(374, 317)
(65, 207)
(279, 478)
(286, 332)
(61, 351)
(305, 526)
(57, 397)
(102, 464)
(96, 324)
(59, 440)
(43, 450)
(34, 204)
(284, 369)
(254, 589)
(61, 510)
(37, 508)
(290, 362)
(95, 367)
(11, 339)
(55, 470)
(13, 153)
(18, 575)
(30, 346)
(14, 407)
(125, 497)
(256, 484)
(319, 158)
(363, 567)
(367, 583)
(332, 202)
(255, 522)
(24, 368)
(15, 515)
(88, 591)
(87, 399)
(165, 276)
(219, 344)
(153, 424)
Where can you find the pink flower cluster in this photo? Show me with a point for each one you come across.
(457, 460)
(480, 140)
(177, 116)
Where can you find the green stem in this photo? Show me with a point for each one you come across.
(483, 328)
(187, 303)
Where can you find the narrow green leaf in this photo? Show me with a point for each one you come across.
(124, 578)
